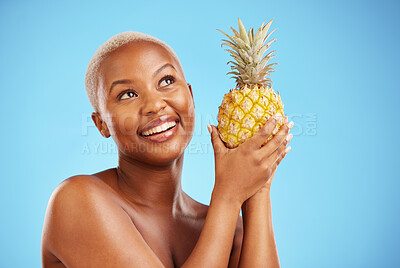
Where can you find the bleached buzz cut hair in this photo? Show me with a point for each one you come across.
(118, 40)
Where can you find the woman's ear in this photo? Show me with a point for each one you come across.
(100, 124)
(191, 93)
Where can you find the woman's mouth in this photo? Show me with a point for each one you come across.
(163, 129)
(159, 129)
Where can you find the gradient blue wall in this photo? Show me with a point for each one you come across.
(336, 195)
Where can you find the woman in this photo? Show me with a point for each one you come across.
(137, 215)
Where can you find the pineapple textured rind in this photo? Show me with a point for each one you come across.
(243, 112)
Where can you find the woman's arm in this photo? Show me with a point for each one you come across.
(215, 242)
(230, 191)
(259, 247)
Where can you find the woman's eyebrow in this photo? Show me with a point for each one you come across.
(127, 81)
(117, 82)
(163, 67)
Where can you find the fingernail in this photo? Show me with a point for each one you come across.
(288, 149)
(289, 137)
(290, 125)
(277, 117)
(209, 128)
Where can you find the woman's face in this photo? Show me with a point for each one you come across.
(145, 103)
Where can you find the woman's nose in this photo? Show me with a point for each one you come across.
(153, 103)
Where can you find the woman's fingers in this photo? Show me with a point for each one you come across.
(262, 135)
(276, 157)
(282, 155)
(216, 141)
(278, 139)
(275, 160)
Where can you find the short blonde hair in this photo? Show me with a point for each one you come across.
(118, 40)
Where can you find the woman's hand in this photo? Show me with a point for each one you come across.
(284, 131)
(242, 171)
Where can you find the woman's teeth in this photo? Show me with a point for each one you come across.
(159, 129)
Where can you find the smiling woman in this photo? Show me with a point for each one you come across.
(136, 214)
(141, 89)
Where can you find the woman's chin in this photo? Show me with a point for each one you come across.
(161, 159)
(155, 153)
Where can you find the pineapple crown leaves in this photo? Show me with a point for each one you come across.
(247, 48)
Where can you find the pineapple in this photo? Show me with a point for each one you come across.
(246, 108)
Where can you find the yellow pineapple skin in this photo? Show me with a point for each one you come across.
(245, 110)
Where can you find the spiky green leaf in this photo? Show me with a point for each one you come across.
(266, 28)
(269, 54)
(231, 38)
(265, 60)
(259, 33)
(231, 44)
(234, 73)
(236, 33)
(260, 53)
(233, 52)
(241, 43)
(234, 63)
(243, 33)
(247, 49)
(268, 35)
(251, 37)
(270, 42)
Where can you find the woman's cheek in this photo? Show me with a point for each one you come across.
(189, 120)
(184, 105)
(125, 124)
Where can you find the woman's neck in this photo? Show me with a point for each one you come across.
(149, 186)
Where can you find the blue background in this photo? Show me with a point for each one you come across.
(335, 197)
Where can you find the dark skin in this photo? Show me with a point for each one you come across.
(137, 215)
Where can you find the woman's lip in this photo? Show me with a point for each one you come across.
(163, 136)
(158, 122)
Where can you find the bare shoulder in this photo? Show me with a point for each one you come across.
(73, 191)
(79, 183)
(68, 199)
(81, 224)
(74, 194)
(79, 193)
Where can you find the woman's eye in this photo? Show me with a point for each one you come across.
(128, 95)
(167, 80)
